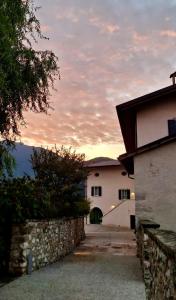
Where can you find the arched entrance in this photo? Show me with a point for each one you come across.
(96, 216)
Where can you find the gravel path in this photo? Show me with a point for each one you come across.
(104, 267)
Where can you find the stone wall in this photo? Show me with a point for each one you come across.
(157, 252)
(38, 243)
(155, 186)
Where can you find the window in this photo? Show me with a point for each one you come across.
(124, 194)
(96, 191)
(172, 127)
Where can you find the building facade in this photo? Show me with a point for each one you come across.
(111, 193)
(148, 126)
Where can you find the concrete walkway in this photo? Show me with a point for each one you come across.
(104, 267)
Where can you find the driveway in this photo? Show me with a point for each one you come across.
(103, 267)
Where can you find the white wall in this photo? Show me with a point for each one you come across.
(152, 121)
(155, 183)
(111, 180)
(121, 215)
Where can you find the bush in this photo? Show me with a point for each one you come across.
(57, 191)
(62, 174)
(23, 198)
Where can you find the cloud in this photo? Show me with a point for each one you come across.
(104, 26)
(109, 52)
(168, 33)
(45, 28)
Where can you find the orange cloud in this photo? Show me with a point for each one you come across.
(108, 53)
(140, 38)
(104, 26)
(168, 33)
(45, 28)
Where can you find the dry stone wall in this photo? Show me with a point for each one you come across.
(38, 243)
(157, 251)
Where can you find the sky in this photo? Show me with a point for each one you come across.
(110, 51)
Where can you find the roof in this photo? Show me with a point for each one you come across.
(127, 159)
(101, 162)
(147, 98)
(127, 113)
(173, 75)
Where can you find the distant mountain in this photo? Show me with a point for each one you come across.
(22, 154)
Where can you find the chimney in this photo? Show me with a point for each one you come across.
(173, 76)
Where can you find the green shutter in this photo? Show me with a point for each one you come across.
(128, 194)
(100, 191)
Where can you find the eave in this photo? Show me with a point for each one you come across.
(127, 159)
(127, 114)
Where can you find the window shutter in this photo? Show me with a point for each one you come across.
(120, 197)
(128, 194)
(100, 191)
(92, 191)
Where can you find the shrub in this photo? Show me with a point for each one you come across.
(23, 198)
(62, 173)
(57, 190)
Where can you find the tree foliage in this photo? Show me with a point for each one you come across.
(25, 74)
(62, 173)
(21, 199)
(7, 161)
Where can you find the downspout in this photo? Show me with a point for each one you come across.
(130, 176)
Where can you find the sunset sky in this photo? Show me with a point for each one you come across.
(110, 51)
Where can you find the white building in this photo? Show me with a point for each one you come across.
(111, 193)
(148, 127)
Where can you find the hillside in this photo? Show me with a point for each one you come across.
(22, 154)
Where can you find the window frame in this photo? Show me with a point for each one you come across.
(124, 194)
(96, 191)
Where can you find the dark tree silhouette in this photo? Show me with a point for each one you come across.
(25, 74)
(62, 173)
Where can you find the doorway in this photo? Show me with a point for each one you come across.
(132, 222)
(96, 216)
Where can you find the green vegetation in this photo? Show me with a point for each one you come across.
(62, 174)
(25, 74)
(57, 191)
(21, 199)
(7, 162)
(25, 78)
